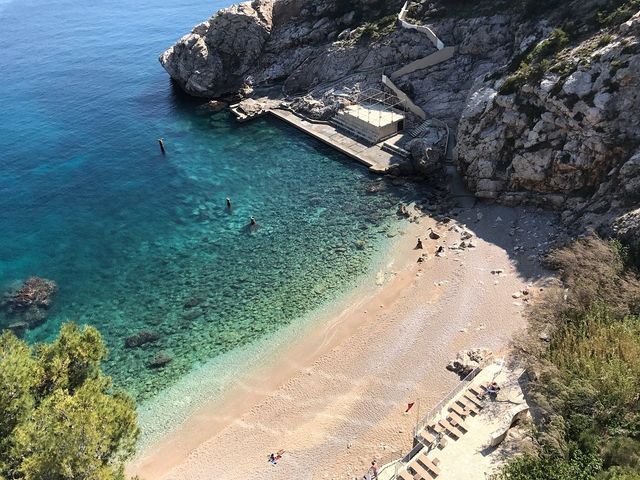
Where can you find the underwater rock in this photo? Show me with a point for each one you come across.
(31, 300)
(35, 292)
(375, 187)
(192, 302)
(160, 360)
(18, 328)
(140, 338)
(192, 315)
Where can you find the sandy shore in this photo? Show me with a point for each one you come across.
(335, 399)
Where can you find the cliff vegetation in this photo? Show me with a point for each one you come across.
(583, 353)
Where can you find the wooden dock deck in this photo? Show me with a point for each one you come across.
(376, 159)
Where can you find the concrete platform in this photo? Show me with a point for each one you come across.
(376, 159)
(471, 452)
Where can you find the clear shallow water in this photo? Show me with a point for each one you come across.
(133, 238)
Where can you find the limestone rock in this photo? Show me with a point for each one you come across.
(215, 106)
(630, 176)
(214, 58)
(555, 139)
(426, 158)
(467, 360)
(627, 229)
(579, 83)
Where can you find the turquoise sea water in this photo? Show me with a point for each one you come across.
(136, 240)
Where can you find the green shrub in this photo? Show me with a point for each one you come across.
(616, 12)
(532, 65)
(586, 387)
(578, 466)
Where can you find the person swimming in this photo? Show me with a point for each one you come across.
(252, 226)
(228, 203)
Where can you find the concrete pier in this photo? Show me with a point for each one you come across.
(374, 157)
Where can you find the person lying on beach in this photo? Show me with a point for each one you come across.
(274, 458)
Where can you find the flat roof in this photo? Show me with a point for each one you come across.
(374, 114)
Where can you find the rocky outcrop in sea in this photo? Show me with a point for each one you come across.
(26, 306)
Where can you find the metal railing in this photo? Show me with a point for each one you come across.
(402, 17)
(390, 470)
(435, 411)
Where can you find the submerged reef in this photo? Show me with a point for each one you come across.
(26, 305)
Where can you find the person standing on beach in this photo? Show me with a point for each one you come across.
(373, 470)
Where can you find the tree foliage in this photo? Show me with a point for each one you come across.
(60, 416)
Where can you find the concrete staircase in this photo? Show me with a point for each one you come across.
(444, 53)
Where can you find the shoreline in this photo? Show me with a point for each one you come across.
(301, 343)
(344, 359)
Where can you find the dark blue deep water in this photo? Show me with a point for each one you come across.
(136, 240)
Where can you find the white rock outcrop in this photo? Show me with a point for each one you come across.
(561, 142)
(468, 360)
(214, 57)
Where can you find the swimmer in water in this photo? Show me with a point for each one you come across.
(253, 225)
(228, 203)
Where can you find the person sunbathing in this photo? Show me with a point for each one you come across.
(274, 458)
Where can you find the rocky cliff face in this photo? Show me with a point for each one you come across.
(539, 115)
(218, 53)
(568, 140)
(290, 42)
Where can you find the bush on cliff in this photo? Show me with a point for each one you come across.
(60, 417)
(585, 385)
